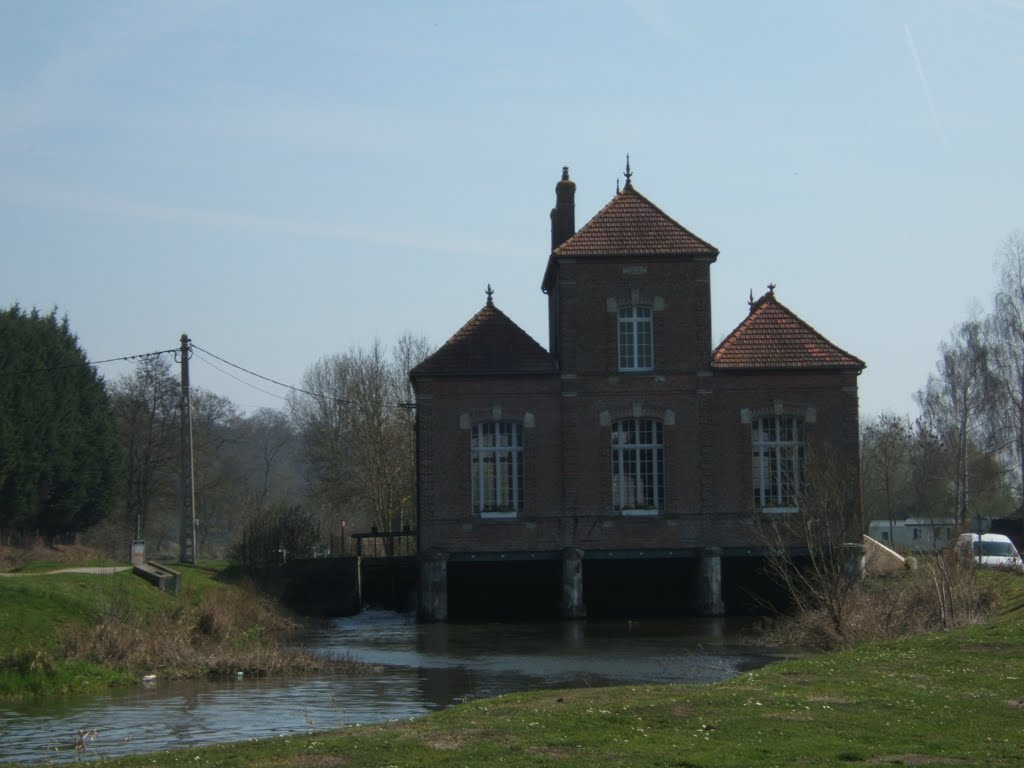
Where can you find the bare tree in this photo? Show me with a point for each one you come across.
(410, 351)
(358, 430)
(956, 403)
(1006, 339)
(220, 480)
(146, 410)
(886, 449)
(815, 552)
(268, 432)
(930, 470)
(319, 419)
(379, 446)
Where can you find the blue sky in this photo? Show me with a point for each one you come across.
(287, 180)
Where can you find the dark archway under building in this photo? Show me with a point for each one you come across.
(529, 588)
(503, 590)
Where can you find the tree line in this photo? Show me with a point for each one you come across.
(963, 455)
(81, 457)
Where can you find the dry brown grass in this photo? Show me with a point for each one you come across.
(944, 592)
(226, 632)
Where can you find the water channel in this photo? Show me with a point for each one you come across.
(416, 669)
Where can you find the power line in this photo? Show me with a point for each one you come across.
(236, 378)
(140, 356)
(338, 400)
(272, 381)
(267, 378)
(197, 348)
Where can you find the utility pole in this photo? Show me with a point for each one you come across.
(187, 543)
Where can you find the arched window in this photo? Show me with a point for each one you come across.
(778, 462)
(638, 475)
(497, 468)
(636, 339)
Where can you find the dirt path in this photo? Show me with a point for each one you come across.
(84, 569)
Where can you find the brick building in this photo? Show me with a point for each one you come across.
(626, 464)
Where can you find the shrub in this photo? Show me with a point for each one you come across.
(944, 592)
(275, 534)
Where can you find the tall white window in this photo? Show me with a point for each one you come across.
(497, 469)
(638, 476)
(778, 463)
(636, 339)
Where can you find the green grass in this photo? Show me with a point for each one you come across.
(39, 611)
(36, 610)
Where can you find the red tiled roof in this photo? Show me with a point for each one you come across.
(631, 225)
(772, 337)
(490, 343)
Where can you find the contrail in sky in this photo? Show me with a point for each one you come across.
(924, 84)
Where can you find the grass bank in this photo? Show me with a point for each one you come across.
(947, 698)
(71, 632)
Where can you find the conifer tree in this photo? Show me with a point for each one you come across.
(58, 445)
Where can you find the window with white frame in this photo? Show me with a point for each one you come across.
(636, 339)
(497, 468)
(778, 462)
(638, 475)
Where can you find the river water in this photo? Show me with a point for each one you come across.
(416, 668)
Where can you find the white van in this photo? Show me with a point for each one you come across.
(990, 550)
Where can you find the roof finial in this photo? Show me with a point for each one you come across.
(490, 293)
(616, 186)
(771, 289)
(750, 301)
(629, 173)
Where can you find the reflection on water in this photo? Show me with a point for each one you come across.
(417, 668)
(454, 661)
(182, 714)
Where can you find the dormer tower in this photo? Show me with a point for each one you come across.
(629, 293)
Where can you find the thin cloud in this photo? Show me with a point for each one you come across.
(660, 18)
(924, 85)
(81, 201)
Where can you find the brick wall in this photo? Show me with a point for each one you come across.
(585, 303)
(826, 400)
(446, 409)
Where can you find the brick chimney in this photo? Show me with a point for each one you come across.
(563, 215)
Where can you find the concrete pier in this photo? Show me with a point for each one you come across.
(710, 583)
(433, 593)
(572, 584)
